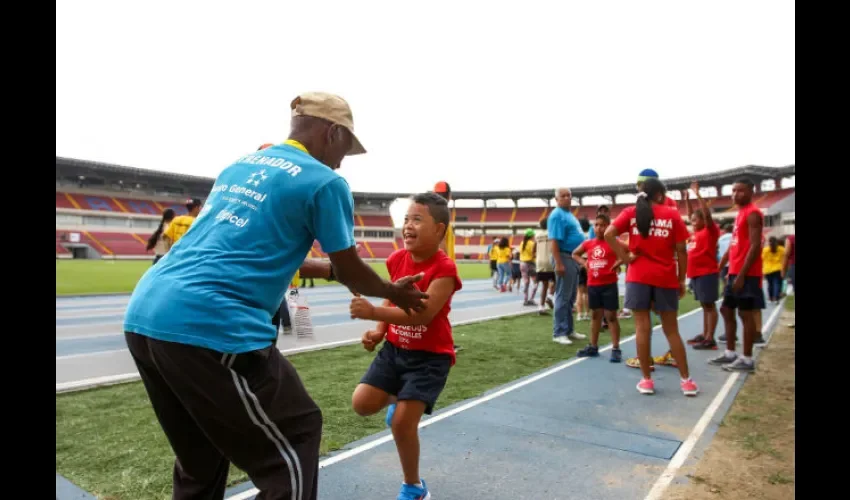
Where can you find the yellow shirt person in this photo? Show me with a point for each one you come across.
(180, 224)
(771, 262)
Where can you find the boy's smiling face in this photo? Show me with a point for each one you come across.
(421, 232)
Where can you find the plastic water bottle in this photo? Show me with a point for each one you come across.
(299, 313)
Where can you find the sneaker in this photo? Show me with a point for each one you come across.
(616, 355)
(699, 339)
(689, 387)
(723, 359)
(740, 365)
(562, 340)
(458, 348)
(390, 413)
(759, 339)
(550, 303)
(722, 338)
(529, 303)
(413, 492)
(588, 352)
(577, 336)
(646, 386)
(706, 345)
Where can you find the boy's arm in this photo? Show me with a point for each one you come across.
(382, 326)
(439, 293)
(577, 255)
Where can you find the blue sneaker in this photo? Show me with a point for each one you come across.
(411, 492)
(589, 351)
(390, 413)
(616, 355)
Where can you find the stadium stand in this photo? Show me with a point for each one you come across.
(109, 211)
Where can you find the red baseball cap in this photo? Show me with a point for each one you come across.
(442, 187)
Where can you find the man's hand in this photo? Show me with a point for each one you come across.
(738, 284)
(560, 269)
(407, 297)
(371, 338)
(361, 308)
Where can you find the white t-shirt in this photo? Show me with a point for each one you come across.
(544, 251)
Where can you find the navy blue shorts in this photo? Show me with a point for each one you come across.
(724, 273)
(706, 288)
(640, 297)
(409, 375)
(606, 297)
(750, 298)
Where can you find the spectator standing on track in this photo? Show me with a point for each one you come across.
(527, 254)
(503, 264)
(744, 291)
(197, 324)
(544, 266)
(158, 242)
(493, 254)
(603, 292)
(582, 310)
(181, 224)
(656, 279)
(772, 257)
(565, 235)
(702, 268)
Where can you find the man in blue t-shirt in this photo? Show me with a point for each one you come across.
(199, 325)
(565, 235)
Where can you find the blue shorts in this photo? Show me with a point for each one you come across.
(749, 298)
(640, 297)
(605, 297)
(706, 288)
(409, 375)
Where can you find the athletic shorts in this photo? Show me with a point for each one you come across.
(749, 298)
(545, 275)
(706, 288)
(409, 375)
(606, 297)
(724, 272)
(641, 297)
(582, 276)
(493, 265)
(515, 272)
(526, 269)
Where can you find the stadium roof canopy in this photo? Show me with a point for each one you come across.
(107, 176)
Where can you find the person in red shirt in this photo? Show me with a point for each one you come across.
(603, 294)
(744, 290)
(702, 268)
(411, 369)
(657, 234)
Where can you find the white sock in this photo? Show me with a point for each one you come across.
(686, 379)
(731, 354)
(748, 359)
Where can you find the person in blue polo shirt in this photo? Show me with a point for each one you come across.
(198, 324)
(565, 235)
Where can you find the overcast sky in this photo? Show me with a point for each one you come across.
(484, 94)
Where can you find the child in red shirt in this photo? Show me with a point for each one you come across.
(703, 270)
(657, 236)
(603, 293)
(411, 369)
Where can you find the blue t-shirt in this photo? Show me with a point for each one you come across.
(565, 228)
(221, 283)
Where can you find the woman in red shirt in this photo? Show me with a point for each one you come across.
(657, 236)
(703, 270)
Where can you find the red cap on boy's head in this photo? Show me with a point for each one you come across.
(443, 189)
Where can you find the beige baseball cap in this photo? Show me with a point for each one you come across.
(330, 107)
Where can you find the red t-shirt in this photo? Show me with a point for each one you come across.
(600, 258)
(436, 336)
(655, 264)
(670, 202)
(740, 243)
(702, 251)
(791, 249)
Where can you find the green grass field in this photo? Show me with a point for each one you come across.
(108, 441)
(75, 277)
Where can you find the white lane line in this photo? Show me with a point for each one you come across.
(682, 453)
(129, 377)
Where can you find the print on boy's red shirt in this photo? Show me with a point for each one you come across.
(655, 264)
(600, 258)
(437, 335)
(702, 251)
(740, 242)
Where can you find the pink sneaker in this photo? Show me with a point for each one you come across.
(689, 387)
(646, 386)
